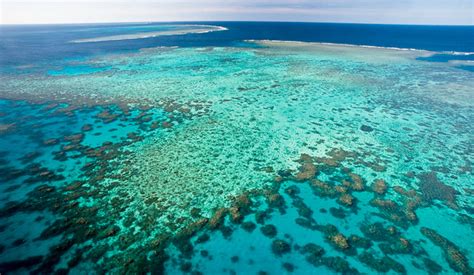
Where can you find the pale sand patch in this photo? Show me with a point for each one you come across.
(193, 29)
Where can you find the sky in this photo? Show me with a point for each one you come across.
(434, 12)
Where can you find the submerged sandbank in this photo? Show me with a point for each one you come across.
(140, 35)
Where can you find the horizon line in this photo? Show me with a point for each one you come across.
(230, 21)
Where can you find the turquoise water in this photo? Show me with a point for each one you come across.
(284, 157)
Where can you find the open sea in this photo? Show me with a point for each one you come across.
(236, 148)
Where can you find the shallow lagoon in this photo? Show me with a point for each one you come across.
(283, 157)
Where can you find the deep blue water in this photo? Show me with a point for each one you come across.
(29, 44)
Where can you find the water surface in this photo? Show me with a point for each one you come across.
(232, 152)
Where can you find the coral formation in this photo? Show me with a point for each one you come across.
(453, 255)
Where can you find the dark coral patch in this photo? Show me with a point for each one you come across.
(269, 230)
(366, 128)
(249, 226)
(17, 264)
(280, 247)
(396, 246)
(339, 265)
(359, 242)
(433, 189)
(452, 253)
(288, 267)
(385, 264)
(431, 266)
(377, 232)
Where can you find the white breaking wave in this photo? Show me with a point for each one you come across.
(140, 35)
(459, 53)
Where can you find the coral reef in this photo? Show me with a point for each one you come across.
(379, 186)
(453, 255)
(433, 189)
(280, 247)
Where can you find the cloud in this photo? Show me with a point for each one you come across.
(367, 11)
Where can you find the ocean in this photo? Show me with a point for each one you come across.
(24, 44)
(236, 148)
